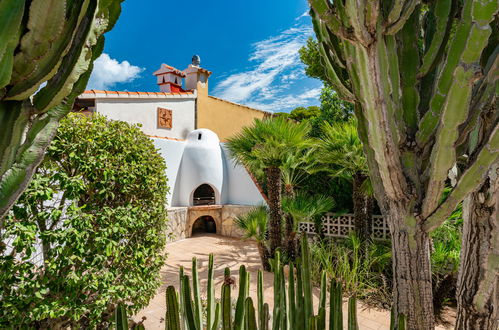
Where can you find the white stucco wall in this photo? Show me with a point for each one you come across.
(193, 162)
(144, 111)
(240, 188)
(171, 151)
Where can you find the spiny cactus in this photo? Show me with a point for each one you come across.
(423, 78)
(42, 41)
(288, 313)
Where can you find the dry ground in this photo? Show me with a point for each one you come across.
(230, 252)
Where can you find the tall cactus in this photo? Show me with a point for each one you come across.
(210, 309)
(42, 41)
(423, 77)
(288, 314)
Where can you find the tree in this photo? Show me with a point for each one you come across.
(341, 154)
(264, 146)
(95, 210)
(332, 110)
(310, 56)
(46, 53)
(421, 76)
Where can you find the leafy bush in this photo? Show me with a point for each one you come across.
(365, 274)
(89, 230)
(368, 273)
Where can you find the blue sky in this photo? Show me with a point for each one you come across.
(250, 46)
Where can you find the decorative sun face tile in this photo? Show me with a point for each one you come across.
(164, 118)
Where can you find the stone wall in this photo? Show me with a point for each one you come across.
(229, 213)
(177, 218)
(181, 219)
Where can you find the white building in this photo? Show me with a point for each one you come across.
(207, 189)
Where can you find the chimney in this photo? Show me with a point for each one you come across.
(169, 79)
(194, 74)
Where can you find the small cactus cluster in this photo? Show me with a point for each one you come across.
(293, 306)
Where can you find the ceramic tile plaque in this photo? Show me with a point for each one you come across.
(164, 118)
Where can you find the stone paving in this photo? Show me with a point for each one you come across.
(230, 252)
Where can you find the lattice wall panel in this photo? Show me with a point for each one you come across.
(343, 225)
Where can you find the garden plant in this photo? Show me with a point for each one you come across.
(88, 232)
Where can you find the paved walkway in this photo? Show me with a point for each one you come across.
(230, 252)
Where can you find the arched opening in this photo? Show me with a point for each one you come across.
(203, 195)
(204, 224)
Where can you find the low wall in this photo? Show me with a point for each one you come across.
(181, 220)
(177, 219)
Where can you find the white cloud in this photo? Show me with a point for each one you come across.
(268, 83)
(288, 102)
(108, 71)
(305, 14)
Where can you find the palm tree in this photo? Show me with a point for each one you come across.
(341, 154)
(254, 225)
(264, 146)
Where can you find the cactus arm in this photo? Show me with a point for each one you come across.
(14, 117)
(30, 153)
(266, 313)
(395, 25)
(282, 300)
(172, 318)
(11, 14)
(276, 267)
(456, 104)
(32, 68)
(216, 320)
(355, 10)
(226, 308)
(408, 56)
(188, 308)
(352, 314)
(321, 311)
(76, 61)
(198, 309)
(260, 298)
(469, 180)
(307, 289)
(484, 97)
(210, 310)
(241, 298)
(300, 312)
(442, 13)
(120, 317)
(250, 317)
(467, 44)
(335, 305)
(291, 296)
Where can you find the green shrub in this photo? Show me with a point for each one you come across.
(89, 230)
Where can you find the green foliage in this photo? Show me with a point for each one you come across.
(300, 114)
(42, 42)
(267, 142)
(341, 151)
(310, 56)
(360, 272)
(254, 223)
(96, 210)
